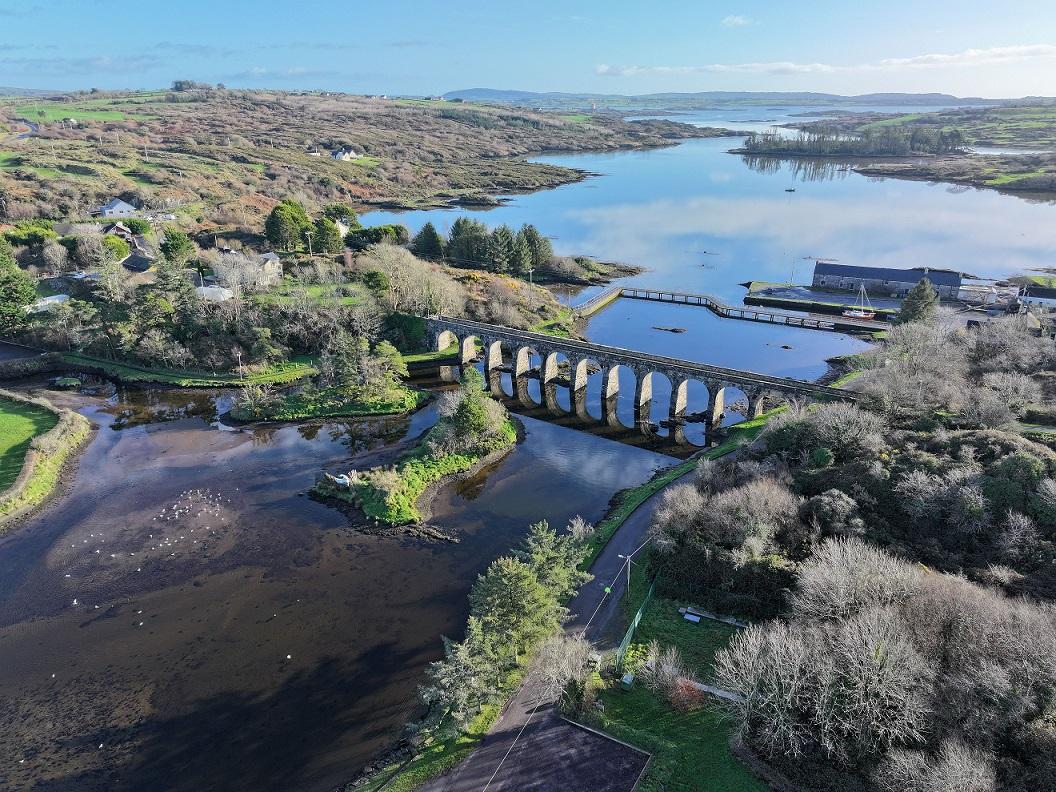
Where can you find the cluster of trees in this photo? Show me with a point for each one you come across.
(288, 227)
(514, 607)
(501, 250)
(39, 247)
(884, 142)
(914, 679)
(879, 670)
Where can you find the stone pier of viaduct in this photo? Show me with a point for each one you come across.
(526, 356)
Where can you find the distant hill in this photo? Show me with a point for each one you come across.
(8, 91)
(704, 99)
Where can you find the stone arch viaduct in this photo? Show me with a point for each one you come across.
(507, 350)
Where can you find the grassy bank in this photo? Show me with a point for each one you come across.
(332, 403)
(19, 424)
(275, 374)
(40, 458)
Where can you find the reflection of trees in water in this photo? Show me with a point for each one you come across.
(804, 169)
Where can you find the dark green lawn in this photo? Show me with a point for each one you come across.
(19, 423)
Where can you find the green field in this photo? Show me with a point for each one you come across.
(690, 749)
(51, 112)
(19, 423)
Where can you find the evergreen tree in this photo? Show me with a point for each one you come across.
(342, 213)
(16, 292)
(468, 245)
(522, 254)
(501, 249)
(509, 601)
(326, 236)
(428, 244)
(177, 247)
(542, 250)
(921, 303)
(286, 225)
(554, 559)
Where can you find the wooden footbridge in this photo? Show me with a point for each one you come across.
(834, 324)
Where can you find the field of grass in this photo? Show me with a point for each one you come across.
(690, 749)
(276, 374)
(426, 357)
(48, 112)
(19, 424)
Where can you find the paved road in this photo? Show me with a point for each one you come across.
(529, 746)
(16, 351)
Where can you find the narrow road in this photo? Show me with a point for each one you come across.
(529, 745)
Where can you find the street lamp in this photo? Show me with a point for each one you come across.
(627, 563)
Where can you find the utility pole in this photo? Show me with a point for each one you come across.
(309, 235)
(531, 290)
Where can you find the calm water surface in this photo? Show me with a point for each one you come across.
(186, 619)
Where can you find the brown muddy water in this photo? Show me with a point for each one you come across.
(184, 618)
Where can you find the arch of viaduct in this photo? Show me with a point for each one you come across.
(507, 350)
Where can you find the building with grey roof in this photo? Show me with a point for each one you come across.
(883, 280)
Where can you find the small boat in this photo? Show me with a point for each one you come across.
(790, 189)
(862, 309)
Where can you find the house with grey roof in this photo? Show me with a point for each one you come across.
(116, 208)
(884, 280)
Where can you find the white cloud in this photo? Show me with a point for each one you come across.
(736, 20)
(969, 57)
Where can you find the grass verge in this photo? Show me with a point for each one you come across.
(19, 424)
(275, 374)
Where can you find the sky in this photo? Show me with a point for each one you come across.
(967, 47)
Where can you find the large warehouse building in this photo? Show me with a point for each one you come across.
(884, 282)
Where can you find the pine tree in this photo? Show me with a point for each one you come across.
(542, 251)
(522, 254)
(501, 249)
(468, 244)
(16, 292)
(177, 247)
(920, 304)
(509, 600)
(428, 244)
(554, 559)
(326, 236)
(286, 224)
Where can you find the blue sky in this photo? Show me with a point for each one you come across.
(967, 47)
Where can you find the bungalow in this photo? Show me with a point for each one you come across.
(881, 280)
(121, 230)
(262, 272)
(345, 155)
(116, 208)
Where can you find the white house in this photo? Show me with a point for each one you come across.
(116, 208)
(345, 155)
(1042, 296)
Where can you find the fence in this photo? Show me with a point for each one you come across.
(622, 650)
